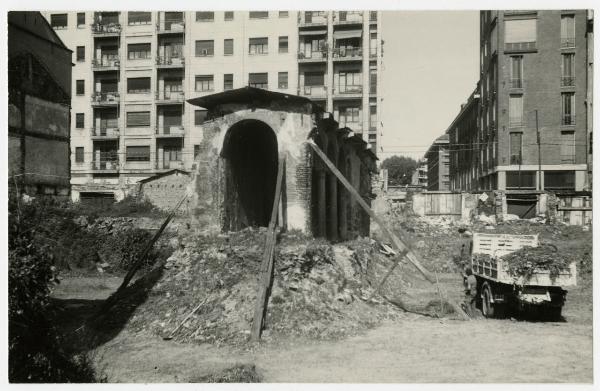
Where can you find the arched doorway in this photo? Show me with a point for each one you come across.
(251, 160)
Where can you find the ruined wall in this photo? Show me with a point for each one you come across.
(166, 191)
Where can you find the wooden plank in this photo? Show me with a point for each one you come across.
(266, 267)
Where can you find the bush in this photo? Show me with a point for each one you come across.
(122, 249)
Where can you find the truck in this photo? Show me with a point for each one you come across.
(498, 291)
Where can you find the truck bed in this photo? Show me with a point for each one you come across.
(497, 245)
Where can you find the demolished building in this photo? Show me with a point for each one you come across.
(247, 132)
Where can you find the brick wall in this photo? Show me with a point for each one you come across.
(166, 191)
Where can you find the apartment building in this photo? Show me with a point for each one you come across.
(533, 77)
(419, 177)
(438, 164)
(135, 71)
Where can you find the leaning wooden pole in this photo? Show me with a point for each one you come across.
(400, 246)
(266, 268)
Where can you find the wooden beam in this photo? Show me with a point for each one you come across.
(266, 267)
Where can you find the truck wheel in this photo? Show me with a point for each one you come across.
(487, 307)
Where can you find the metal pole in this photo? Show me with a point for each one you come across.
(537, 129)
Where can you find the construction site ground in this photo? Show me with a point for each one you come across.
(407, 347)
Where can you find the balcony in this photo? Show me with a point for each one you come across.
(170, 62)
(106, 64)
(169, 165)
(105, 98)
(170, 26)
(347, 17)
(373, 52)
(516, 83)
(356, 127)
(105, 133)
(312, 18)
(567, 42)
(567, 81)
(170, 97)
(316, 56)
(567, 119)
(520, 47)
(170, 131)
(347, 54)
(108, 163)
(106, 29)
(348, 91)
(313, 92)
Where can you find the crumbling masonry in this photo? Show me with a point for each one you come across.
(247, 132)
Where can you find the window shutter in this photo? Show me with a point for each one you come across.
(138, 118)
(228, 46)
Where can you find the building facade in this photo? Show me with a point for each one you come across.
(533, 77)
(39, 93)
(438, 164)
(135, 71)
(419, 177)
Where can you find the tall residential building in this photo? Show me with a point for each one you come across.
(135, 71)
(438, 164)
(533, 76)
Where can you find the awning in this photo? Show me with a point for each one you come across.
(343, 34)
(313, 32)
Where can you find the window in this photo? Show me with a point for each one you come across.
(135, 18)
(138, 51)
(282, 80)
(373, 81)
(567, 31)
(520, 179)
(567, 78)
(58, 21)
(372, 117)
(567, 147)
(284, 14)
(172, 153)
(559, 180)
(80, 53)
(520, 34)
(373, 44)
(373, 16)
(316, 79)
(228, 15)
(515, 148)
(138, 85)
(199, 117)
(259, 45)
(205, 48)
(258, 80)
(568, 108)
(205, 83)
(138, 118)
(350, 82)
(81, 19)
(228, 47)
(137, 153)
(196, 151)
(79, 155)
(205, 16)
(259, 14)
(515, 110)
(516, 71)
(349, 115)
(80, 87)
(228, 81)
(109, 85)
(79, 121)
(283, 44)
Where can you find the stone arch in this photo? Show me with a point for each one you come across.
(250, 154)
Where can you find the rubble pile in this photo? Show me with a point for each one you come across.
(319, 291)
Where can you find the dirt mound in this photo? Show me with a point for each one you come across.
(319, 291)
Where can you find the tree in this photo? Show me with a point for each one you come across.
(400, 169)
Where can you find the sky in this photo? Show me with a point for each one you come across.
(430, 66)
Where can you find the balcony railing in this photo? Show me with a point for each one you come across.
(567, 81)
(520, 46)
(109, 161)
(348, 17)
(173, 96)
(312, 18)
(516, 83)
(348, 89)
(355, 126)
(174, 131)
(106, 97)
(314, 55)
(105, 132)
(169, 164)
(171, 25)
(103, 63)
(567, 119)
(567, 42)
(347, 52)
(106, 28)
(312, 90)
(567, 158)
(170, 61)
